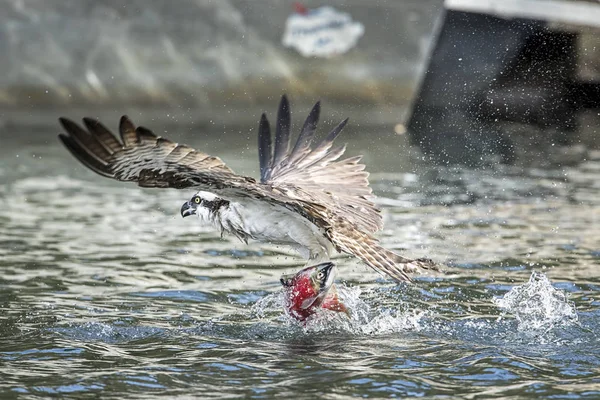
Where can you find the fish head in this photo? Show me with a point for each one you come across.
(306, 290)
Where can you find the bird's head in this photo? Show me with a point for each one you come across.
(202, 204)
(310, 289)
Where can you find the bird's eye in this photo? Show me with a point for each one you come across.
(197, 200)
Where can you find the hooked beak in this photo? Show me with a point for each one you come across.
(187, 209)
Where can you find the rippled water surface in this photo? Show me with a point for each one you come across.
(106, 291)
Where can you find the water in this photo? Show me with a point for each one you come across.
(107, 291)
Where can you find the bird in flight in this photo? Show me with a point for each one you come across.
(306, 197)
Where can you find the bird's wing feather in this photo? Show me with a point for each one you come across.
(317, 173)
(349, 240)
(144, 158)
(152, 161)
(265, 153)
(282, 131)
(331, 193)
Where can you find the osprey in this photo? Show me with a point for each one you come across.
(306, 198)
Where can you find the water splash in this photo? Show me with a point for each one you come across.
(362, 319)
(538, 306)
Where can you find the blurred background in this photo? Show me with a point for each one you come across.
(461, 75)
(478, 121)
(202, 59)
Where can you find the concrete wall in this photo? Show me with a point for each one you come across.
(190, 54)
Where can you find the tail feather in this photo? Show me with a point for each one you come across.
(379, 258)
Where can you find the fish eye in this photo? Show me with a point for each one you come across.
(197, 200)
(320, 275)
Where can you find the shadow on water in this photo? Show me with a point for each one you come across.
(107, 292)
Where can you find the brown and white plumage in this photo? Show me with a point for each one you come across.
(317, 201)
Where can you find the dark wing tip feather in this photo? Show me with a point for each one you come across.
(161, 141)
(284, 102)
(264, 147)
(92, 140)
(68, 125)
(91, 123)
(336, 131)
(124, 120)
(282, 131)
(144, 134)
(101, 136)
(315, 113)
(80, 153)
(308, 129)
(142, 157)
(127, 131)
(63, 122)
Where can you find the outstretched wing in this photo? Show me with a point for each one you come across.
(316, 174)
(153, 161)
(144, 158)
(312, 182)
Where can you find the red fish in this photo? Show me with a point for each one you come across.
(310, 289)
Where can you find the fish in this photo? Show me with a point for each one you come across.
(311, 289)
